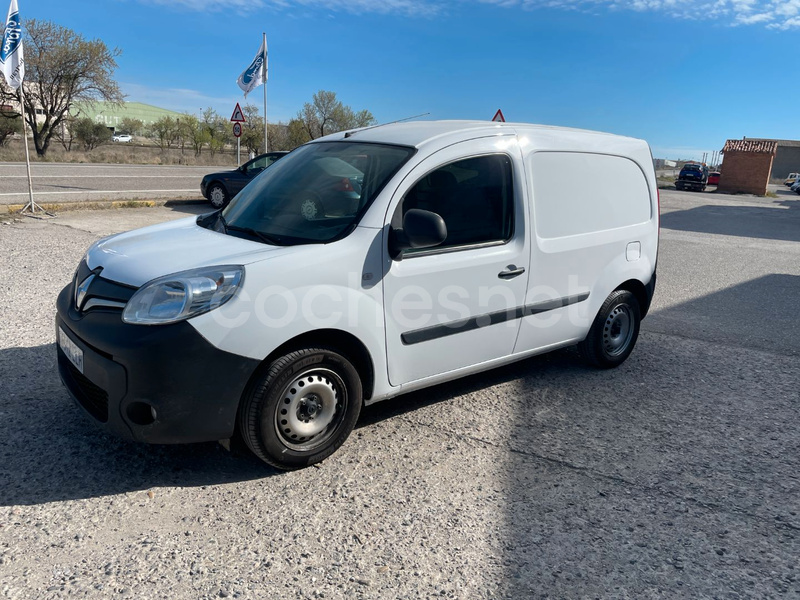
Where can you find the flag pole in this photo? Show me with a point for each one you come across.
(31, 203)
(264, 66)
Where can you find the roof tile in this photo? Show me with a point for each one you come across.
(762, 147)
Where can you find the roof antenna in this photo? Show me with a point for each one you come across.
(350, 133)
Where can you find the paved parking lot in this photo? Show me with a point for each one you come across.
(675, 476)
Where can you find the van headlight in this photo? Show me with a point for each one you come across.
(183, 295)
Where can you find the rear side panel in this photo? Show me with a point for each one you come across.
(595, 226)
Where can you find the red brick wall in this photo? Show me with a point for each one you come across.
(745, 173)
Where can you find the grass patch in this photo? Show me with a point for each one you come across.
(133, 204)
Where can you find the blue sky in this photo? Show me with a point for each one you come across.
(683, 74)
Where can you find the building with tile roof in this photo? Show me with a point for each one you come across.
(787, 160)
(747, 166)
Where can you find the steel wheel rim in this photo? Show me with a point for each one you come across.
(310, 409)
(618, 330)
(217, 196)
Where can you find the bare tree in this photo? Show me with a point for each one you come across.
(196, 132)
(252, 129)
(62, 68)
(64, 132)
(217, 129)
(131, 126)
(279, 136)
(163, 132)
(325, 114)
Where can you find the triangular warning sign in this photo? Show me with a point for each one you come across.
(498, 116)
(238, 115)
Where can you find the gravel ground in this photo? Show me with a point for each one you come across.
(676, 475)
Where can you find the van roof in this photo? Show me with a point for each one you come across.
(419, 133)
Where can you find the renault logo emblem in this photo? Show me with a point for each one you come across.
(80, 291)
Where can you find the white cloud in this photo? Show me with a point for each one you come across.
(182, 100)
(775, 14)
(793, 23)
(752, 19)
(408, 7)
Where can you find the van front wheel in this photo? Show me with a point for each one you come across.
(614, 331)
(302, 408)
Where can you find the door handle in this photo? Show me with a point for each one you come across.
(511, 272)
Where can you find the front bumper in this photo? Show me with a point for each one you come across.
(160, 384)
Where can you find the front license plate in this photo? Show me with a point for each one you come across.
(71, 350)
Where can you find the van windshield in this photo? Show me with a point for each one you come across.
(315, 194)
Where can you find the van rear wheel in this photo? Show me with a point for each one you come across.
(614, 331)
(302, 408)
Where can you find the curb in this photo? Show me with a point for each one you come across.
(115, 204)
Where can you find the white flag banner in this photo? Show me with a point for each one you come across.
(11, 61)
(254, 75)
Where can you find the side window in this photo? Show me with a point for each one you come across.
(257, 165)
(474, 197)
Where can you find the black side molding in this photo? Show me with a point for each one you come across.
(427, 334)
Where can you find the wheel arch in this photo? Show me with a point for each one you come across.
(335, 339)
(638, 289)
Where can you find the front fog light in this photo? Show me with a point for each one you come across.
(183, 295)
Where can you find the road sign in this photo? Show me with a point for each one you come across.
(237, 129)
(498, 116)
(238, 115)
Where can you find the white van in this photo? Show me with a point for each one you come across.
(361, 266)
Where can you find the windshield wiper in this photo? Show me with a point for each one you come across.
(264, 237)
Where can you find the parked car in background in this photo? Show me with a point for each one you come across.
(713, 178)
(122, 137)
(219, 188)
(792, 179)
(693, 176)
(796, 187)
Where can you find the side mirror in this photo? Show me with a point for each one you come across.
(421, 229)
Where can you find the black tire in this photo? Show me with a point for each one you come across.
(614, 331)
(218, 195)
(289, 427)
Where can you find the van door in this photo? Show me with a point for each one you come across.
(456, 305)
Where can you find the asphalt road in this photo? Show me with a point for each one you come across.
(676, 475)
(69, 182)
